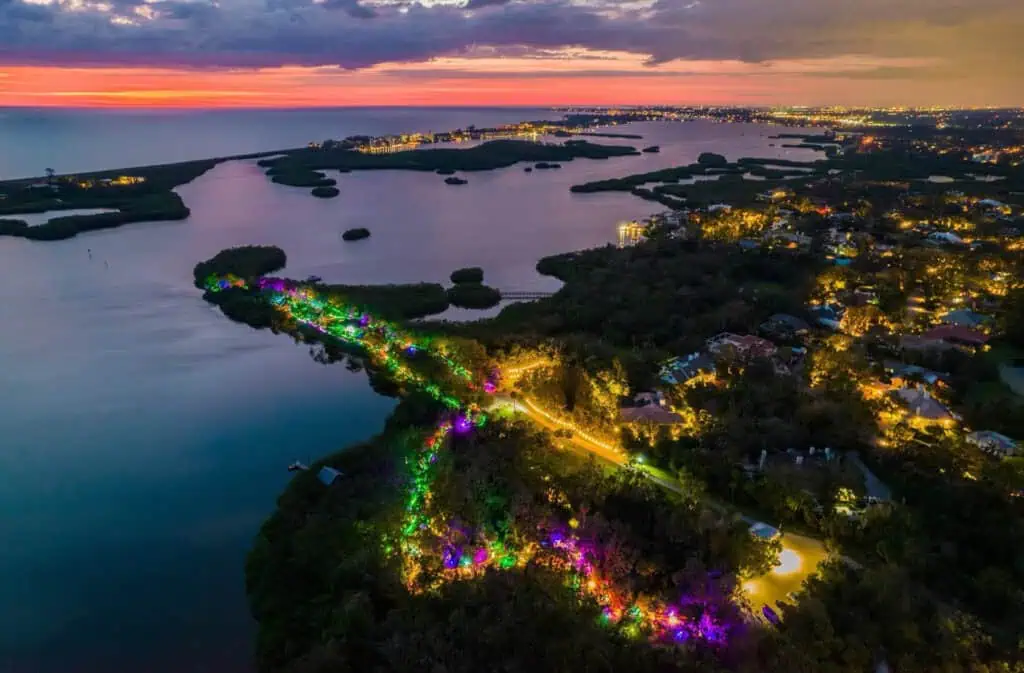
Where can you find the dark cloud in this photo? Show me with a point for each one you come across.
(353, 8)
(480, 4)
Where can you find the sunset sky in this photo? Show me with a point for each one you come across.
(279, 53)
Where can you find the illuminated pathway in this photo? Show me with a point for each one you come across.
(390, 349)
(466, 554)
(800, 557)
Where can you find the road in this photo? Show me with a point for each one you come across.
(800, 556)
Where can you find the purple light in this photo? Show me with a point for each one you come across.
(451, 557)
(364, 321)
(411, 350)
(489, 387)
(462, 424)
(480, 557)
(275, 284)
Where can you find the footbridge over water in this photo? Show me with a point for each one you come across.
(524, 294)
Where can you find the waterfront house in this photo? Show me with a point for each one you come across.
(993, 442)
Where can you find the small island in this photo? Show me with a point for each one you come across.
(712, 160)
(470, 274)
(325, 192)
(304, 165)
(357, 234)
(455, 181)
(298, 177)
(473, 295)
(653, 149)
(543, 165)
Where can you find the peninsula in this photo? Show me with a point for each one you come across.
(653, 459)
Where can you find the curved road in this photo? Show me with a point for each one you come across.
(800, 557)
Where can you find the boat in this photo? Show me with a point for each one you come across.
(297, 467)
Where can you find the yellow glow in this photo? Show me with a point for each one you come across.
(789, 562)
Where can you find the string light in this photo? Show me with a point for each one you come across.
(434, 552)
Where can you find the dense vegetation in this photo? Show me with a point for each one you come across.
(469, 274)
(356, 234)
(395, 302)
(487, 156)
(473, 295)
(325, 192)
(626, 136)
(149, 208)
(329, 594)
(712, 160)
(245, 262)
(668, 294)
(298, 177)
(148, 199)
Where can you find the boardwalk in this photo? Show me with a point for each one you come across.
(515, 294)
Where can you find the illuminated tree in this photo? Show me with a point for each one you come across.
(857, 320)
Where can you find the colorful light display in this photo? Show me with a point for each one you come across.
(434, 552)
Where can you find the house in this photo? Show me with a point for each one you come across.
(964, 318)
(923, 406)
(912, 372)
(681, 370)
(719, 207)
(945, 237)
(957, 335)
(746, 345)
(655, 398)
(914, 342)
(328, 475)
(792, 237)
(827, 316)
(784, 324)
(993, 205)
(993, 442)
(650, 413)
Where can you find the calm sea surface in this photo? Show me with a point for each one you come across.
(144, 437)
